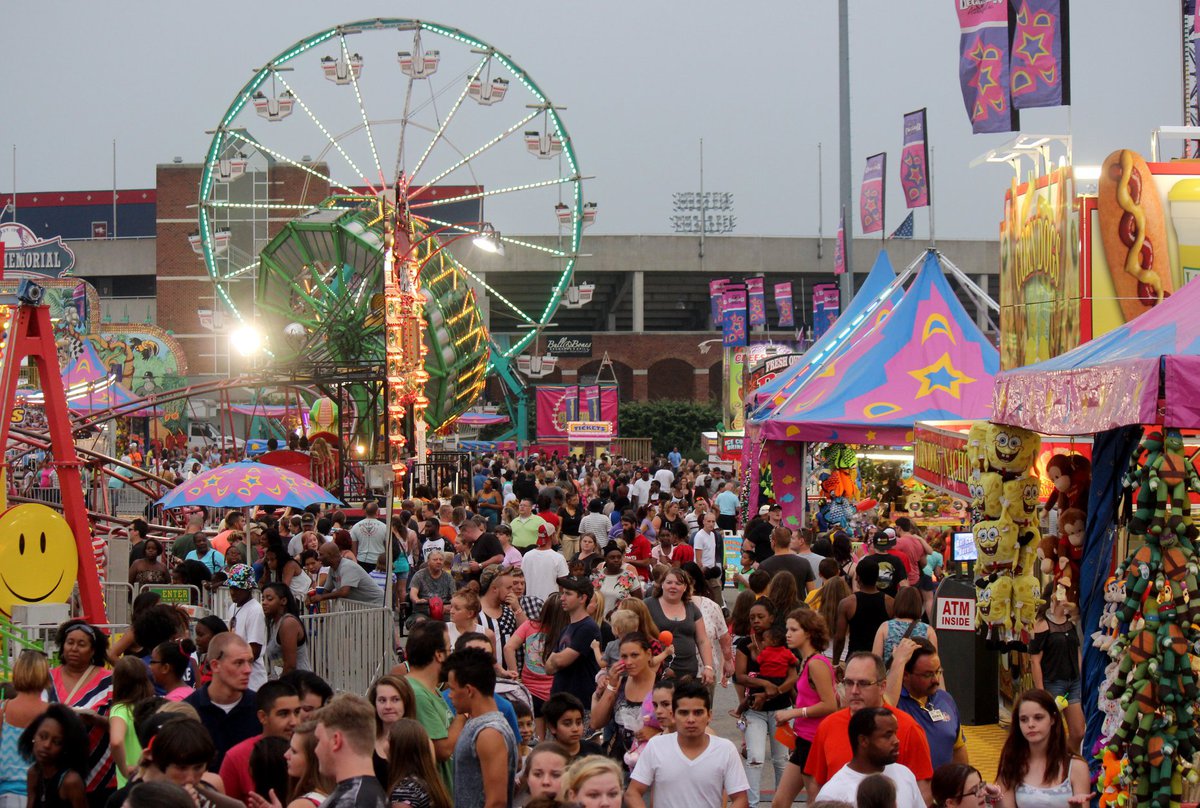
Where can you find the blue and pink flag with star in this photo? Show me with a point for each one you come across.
(914, 157)
(1039, 66)
(983, 64)
(871, 197)
(733, 316)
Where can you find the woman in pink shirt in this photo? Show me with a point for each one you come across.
(816, 698)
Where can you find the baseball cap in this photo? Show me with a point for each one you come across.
(580, 585)
(545, 533)
(764, 510)
(885, 538)
(240, 576)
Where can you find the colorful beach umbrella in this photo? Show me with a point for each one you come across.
(241, 485)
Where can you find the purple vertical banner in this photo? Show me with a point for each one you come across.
(733, 316)
(827, 300)
(914, 159)
(1040, 63)
(783, 304)
(571, 402)
(715, 288)
(756, 298)
(983, 47)
(871, 198)
(589, 402)
(839, 253)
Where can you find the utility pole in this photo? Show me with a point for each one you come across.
(846, 281)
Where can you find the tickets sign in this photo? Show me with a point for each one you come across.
(955, 614)
(588, 431)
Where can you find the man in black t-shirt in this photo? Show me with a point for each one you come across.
(758, 531)
(784, 560)
(485, 547)
(893, 564)
(573, 663)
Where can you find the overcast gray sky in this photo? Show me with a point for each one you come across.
(642, 82)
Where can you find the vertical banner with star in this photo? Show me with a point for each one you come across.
(783, 304)
(871, 197)
(733, 316)
(983, 74)
(715, 288)
(914, 161)
(1040, 65)
(756, 298)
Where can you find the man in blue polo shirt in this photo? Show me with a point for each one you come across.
(227, 705)
(914, 686)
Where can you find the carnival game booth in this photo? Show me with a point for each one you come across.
(1134, 389)
(923, 360)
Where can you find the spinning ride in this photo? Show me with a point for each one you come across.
(377, 120)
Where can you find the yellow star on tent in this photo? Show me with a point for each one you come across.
(941, 375)
(870, 434)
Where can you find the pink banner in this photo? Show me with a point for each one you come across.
(552, 415)
(783, 303)
(914, 158)
(871, 198)
(757, 301)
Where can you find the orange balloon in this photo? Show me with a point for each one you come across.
(665, 637)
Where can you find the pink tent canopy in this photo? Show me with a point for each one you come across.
(1113, 380)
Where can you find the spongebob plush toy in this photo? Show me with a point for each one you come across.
(1004, 502)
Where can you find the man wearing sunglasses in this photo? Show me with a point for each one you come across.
(914, 686)
(864, 683)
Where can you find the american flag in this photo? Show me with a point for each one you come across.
(905, 230)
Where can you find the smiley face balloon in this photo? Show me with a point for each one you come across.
(38, 557)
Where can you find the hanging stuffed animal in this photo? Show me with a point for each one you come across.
(1155, 684)
(1003, 506)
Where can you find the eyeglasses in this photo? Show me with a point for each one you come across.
(929, 676)
(974, 792)
(859, 684)
(157, 662)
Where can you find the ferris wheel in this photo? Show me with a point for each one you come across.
(363, 117)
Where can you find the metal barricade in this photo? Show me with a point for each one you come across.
(218, 602)
(118, 601)
(128, 502)
(351, 645)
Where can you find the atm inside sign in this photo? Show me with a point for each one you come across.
(955, 614)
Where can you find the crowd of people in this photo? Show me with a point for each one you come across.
(567, 632)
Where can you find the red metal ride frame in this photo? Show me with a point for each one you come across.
(31, 335)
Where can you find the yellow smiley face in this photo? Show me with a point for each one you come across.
(38, 557)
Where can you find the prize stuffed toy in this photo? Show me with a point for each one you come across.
(1004, 503)
(1154, 685)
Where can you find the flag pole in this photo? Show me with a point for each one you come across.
(883, 205)
(820, 205)
(929, 181)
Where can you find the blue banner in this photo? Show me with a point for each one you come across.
(733, 316)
